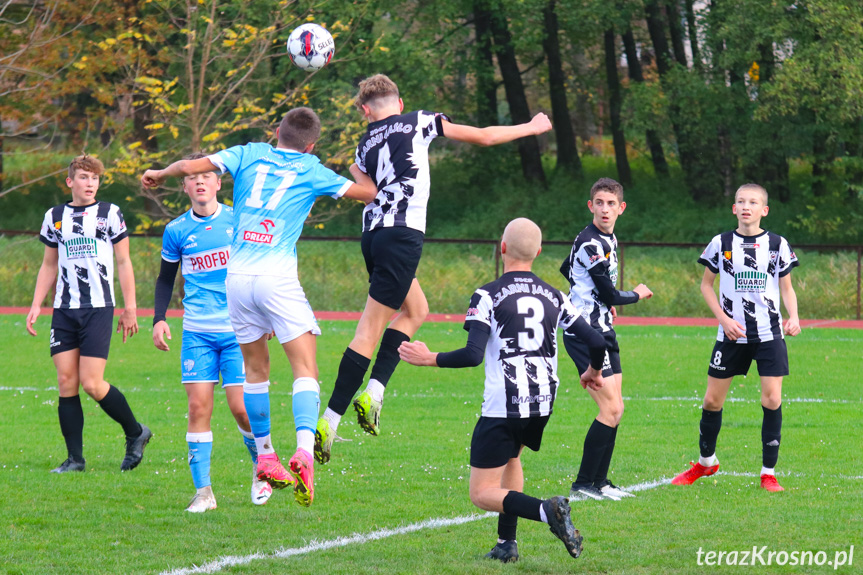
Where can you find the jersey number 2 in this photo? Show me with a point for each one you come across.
(255, 201)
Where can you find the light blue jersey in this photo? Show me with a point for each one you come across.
(203, 245)
(274, 191)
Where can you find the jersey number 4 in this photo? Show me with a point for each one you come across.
(255, 200)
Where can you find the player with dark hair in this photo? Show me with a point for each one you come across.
(754, 268)
(394, 152)
(512, 322)
(81, 239)
(274, 191)
(591, 269)
(200, 242)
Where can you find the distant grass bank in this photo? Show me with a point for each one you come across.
(334, 277)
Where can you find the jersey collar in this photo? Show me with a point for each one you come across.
(208, 218)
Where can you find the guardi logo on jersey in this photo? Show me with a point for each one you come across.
(750, 281)
(81, 248)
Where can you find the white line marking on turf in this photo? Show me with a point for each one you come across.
(358, 538)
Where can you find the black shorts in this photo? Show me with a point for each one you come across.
(729, 358)
(580, 353)
(88, 330)
(392, 256)
(496, 440)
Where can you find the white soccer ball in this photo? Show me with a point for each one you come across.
(311, 47)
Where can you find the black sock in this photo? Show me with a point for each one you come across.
(506, 526)
(72, 425)
(711, 423)
(115, 405)
(595, 442)
(522, 505)
(388, 355)
(771, 436)
(352, 371)
(602, 470)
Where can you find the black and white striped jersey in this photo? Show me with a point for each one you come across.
(593, 254)
(394, 153)
(749, 268)
(522, 313)
(84, 237)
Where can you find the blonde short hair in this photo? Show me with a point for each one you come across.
(523, 239)
(752, 187)
(377, 87)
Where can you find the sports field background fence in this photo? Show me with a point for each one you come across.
(332, 271)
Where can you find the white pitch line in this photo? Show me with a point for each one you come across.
(357, 539)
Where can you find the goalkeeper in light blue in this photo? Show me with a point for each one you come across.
(198, 242)
(274, 191)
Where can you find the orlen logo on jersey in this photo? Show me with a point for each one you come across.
(212, 260)
(258, 237)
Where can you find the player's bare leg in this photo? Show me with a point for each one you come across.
(306, 404)
(69, 410)
(199, 438)
(488, 492)
(771, 430)
(711, 423)
(256, 397)
(592, 479)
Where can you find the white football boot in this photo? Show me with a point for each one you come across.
(204, 500)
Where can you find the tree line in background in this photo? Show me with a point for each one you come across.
(714, 92)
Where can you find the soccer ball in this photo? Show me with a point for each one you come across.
(310, 47)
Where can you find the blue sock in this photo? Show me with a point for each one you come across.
(306, 404)
(200, 451)
(256, 397)
(249, 440)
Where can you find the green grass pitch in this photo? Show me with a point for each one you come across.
(375, 502)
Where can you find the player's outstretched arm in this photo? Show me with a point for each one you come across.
(155, 178)
(471, 355)
(365, 189)
(733, 330)
(493, 135)
(417, 353)
(47, 275)
(789, 298)
(128, 323)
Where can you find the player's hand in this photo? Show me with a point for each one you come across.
(31, 319)
(592, 378)
(733, 330)
(417, 353)
(160, 330)
(643, 292)
(128, 323)
(792, 326)
(271, 335)
(613, 311)
(152, 179)
(540, 123)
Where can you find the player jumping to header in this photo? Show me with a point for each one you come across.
(512, 322)
(274, 190)
(394, 152)
(754, 268)
(200, 240)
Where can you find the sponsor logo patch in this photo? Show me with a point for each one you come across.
(81, 248)
(750, 282)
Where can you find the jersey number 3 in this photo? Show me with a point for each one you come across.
(533, 312)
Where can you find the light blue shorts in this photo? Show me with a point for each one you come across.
(205, 355)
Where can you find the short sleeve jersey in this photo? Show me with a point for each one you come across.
(202, 245)
(274, 191)
(521, 313)
(84, 237)
(749, 268)
(591, 249)
(394, 153)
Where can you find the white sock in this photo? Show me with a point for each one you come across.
(376, 389)
(767, 471)
(333, 418)
(708, 461)
(264, 445)
(305, 440)
(542, 516)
